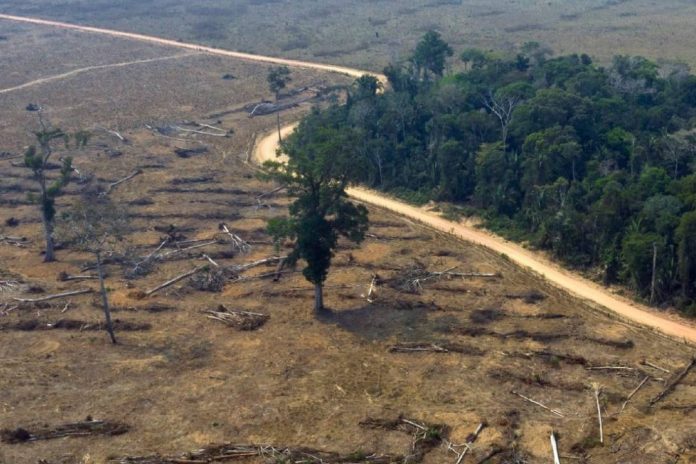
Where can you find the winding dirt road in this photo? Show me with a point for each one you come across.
(266, 149)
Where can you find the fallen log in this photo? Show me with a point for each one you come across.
(174, 280)
(469, 441)
(553, 411)
(632, 394)
(65, 277)
(599, 412)
(554, 449)
(237, 242)
(113, 185)
(673, 383)
(53, 297)
(76, 429)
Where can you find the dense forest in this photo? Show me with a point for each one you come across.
(596, 164)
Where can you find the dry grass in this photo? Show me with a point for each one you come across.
(300, 380)
(371, 34)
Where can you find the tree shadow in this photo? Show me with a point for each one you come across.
(381, 321)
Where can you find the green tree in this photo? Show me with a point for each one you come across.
(278, 78)
(321, 164)
(473, 58)
(431, 54)
(37, 159)
(686, 238)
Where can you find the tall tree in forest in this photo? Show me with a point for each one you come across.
(431, 54)
(321, 162)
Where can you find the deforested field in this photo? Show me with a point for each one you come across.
(233, 365)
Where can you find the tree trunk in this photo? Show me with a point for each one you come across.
(654, 266)
(280, 137)
(105, 300)
(318, 297)
(50, 254)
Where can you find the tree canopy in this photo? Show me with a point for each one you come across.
(322, 161)
(596, 164)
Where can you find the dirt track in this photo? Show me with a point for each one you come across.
(75, 72)
(266, 149)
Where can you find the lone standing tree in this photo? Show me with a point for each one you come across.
(278, 79)
(322, 162)
(37, 159)
(95, 225)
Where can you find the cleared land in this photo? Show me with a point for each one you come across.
(369, 34)
(299, 380)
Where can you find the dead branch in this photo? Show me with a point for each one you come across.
(410, 279)
(8, 285)
(554, 449)
(19, 242)
(469, 441)
(272, 192)
(553, 411)
(113, 185)
(169, 254)
(114, 133)
(53, 297)
(77, 429)
(65, 277)
(174, 280)
(242, 320)
(640, 385)
(239, 268)
(181, 129)
(599, 412)
(654, 366)
(673, 383)
(237, 242)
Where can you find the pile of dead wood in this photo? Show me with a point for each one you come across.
(240, 320)
(231, 452)
(412, 278)
(85, 428)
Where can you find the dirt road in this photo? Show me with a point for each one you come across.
(266, 148)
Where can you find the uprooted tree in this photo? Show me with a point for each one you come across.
(96, 225)
(322, 162)
(37, 158)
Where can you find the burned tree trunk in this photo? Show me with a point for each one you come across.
(105, 300)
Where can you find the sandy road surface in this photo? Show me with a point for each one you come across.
(576, 285)
(266, 149)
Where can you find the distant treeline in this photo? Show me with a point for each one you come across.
(595, 164)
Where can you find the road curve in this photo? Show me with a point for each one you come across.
(266, 150)
(561, 278)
